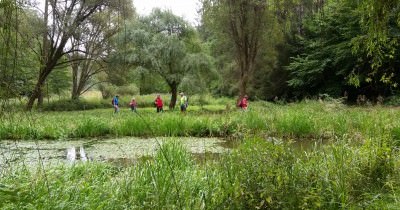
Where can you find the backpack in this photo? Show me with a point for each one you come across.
(112, 101)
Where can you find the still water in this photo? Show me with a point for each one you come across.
(123, 151)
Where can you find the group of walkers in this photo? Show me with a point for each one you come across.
(158, 103)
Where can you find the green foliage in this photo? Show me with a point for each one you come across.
(18, 63)
(127, 90)
(338, 51)
(91, 127)
(303, 120)
(241, 36)
(257, 175)
(107, 90)
(59, 81)
(327, 58)
(73, 105)
(296, 124)
(392, 100)
(163, 44)
(379, 20)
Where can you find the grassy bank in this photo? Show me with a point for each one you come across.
(301, 120)
(143, 101)
(258, 175)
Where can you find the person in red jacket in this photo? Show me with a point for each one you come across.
(159, 104)
(133, 105)
(243, 104)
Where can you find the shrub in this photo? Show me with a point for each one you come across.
(127, 90)
(73, 105)
(392, 101)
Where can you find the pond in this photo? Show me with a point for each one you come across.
(121, 151)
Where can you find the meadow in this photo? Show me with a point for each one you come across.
(310, 120)
(355, 166)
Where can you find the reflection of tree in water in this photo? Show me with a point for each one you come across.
(75, 153)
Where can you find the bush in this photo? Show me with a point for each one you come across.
(392, 101)
(107, 91)
(73, 105)
(127, 90)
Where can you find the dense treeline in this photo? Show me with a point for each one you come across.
(339, 52)
(267, 49)
(305, 48)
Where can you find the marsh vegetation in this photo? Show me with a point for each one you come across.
(350, 160)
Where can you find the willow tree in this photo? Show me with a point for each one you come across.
(379, 40)
(164, 44)
(93, 42)
(244, 25)
(67, 16)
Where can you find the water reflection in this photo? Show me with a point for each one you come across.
(124, 151)
(74, 154)
(71, 154)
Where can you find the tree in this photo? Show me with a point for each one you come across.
(164, 44)
(93, 42)
(243, 24)
(283, 22)
(67, 16)
(8, 42)
(18, 30)
(59, 81)
(335, 56)
(325, 49)
(379, 39)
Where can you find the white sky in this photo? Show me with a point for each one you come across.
(184, 8)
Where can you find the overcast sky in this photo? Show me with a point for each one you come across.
(184, 8)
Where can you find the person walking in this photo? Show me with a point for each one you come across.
(115, 103)
(243, 104)
(133, 104)
(159, 104)
(183, 102)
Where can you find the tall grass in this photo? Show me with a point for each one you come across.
(358, 170)
(88, 103)
(258, 175)
(302, 120)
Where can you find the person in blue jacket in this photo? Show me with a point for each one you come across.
(115, 103)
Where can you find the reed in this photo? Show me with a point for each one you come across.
(259, 174)
(303, 120)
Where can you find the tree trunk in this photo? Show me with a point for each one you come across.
(74, 94)
(40, 96)
(243, 86)
(174, 93)
(245, 65)
(37, 93)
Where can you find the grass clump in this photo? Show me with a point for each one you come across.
(91, 128)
